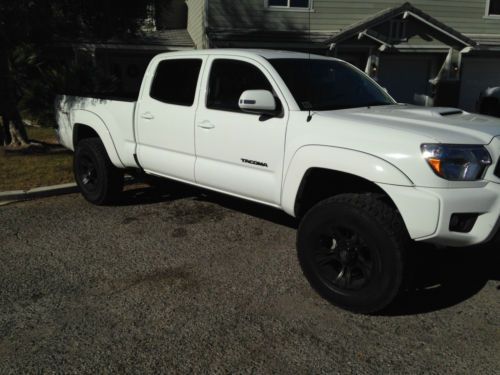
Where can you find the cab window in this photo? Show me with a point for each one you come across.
(228, 79)
(175, 81)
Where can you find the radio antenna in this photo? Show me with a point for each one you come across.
(309, 78)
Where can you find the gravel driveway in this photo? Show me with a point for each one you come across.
(182, 281)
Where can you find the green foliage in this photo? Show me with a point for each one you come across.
(73, 78)
(29, 30)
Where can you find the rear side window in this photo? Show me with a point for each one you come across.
(228, 80)
(175, 81)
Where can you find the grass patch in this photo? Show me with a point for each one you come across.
(47, 135)
(26, 171)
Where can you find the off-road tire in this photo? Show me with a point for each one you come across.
(382, 239)
(100, 182)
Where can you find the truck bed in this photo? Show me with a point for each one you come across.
(115, 114)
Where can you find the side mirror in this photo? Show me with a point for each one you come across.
(258, 102)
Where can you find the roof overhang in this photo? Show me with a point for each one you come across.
(367, 28)
(256, 38)
(176, 39)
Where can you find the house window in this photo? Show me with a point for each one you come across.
(493, 8)
(289, 4)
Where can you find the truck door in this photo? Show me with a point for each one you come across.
(165, 117)
(236, 152)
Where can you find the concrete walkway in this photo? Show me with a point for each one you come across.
(40, 192)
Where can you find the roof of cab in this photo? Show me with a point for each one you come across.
(265, 53)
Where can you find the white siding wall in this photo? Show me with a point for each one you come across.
(196, 24)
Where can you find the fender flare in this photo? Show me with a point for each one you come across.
(367, 166)
(93, 121)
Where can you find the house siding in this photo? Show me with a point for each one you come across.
(252, 15)
(465, 16)
(196, 22)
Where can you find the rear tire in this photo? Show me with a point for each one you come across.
(99, 180)
(352, 250)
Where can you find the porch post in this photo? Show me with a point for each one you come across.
(447, 81)
(372, 64)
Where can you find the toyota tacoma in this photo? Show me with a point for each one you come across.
(313, 136)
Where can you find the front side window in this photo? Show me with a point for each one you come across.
(292, 4)
(325, 85)
(175, 81)
(228, 80)
(493, 8)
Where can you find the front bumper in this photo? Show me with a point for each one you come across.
(427, 212)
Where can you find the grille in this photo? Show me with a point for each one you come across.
(497, 170)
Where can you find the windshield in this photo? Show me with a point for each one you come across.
(324, 85)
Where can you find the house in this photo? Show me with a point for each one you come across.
(426, 52)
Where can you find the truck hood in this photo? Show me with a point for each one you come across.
(445, 125)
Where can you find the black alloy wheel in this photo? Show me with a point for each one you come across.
(100, 182)
(343, 259)
(352, 250)
(87, 172)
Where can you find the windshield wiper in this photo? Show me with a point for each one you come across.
(337, 107)
(346, 106)
(376, 104)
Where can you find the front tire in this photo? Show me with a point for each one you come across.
(352, 250)
(98, 179)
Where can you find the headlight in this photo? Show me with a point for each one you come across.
(457, 162)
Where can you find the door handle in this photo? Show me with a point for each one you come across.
(147, 116)
(206, 125)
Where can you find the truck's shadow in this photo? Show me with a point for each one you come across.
(447, 277)
(442, 277)
(157, 190)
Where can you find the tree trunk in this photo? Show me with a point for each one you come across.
(5, 137)
(18, 134)
(14, 129)
(2, 136)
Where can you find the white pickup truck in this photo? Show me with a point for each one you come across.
(310, 135)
